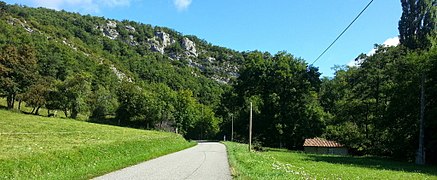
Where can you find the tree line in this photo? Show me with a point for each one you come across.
(374, 108)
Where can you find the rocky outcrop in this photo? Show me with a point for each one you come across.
(111, 24)
(219, 79)
(15, 21)
(109, 30)
(161, 41)
(131, 41)
(209, 60)
(191, 63)
(130, 28)
(69, 44)
(222, 70)
(120, 75)
(165, 38)
(190, 47)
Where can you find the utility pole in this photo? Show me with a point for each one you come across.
(232, 130)
(420, 156)
(250, 127)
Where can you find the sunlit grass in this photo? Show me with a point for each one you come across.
(35, 147)
(283, 164)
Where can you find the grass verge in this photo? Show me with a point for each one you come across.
(283, 164)
(35, 147)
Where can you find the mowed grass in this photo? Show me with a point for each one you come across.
(35, 147)
(283, 164)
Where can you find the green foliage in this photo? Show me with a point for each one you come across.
(76, 90)
(284, 95)
(133, 104)
(37, 95)
(375, 107)
(17, 70)
(160, 107)
(103, 103)
(418, 27)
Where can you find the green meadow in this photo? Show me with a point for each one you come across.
(283, 164)
(35, 147)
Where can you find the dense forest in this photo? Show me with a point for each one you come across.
(133, 74)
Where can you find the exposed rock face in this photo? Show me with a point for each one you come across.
(130, 28)
(164, 41)
(220, 79)
(154, 46)
(223, 71)
(165, 38)
(15, 21)
(69, 44)
(190, 47)
(109, 30)
(110, 33)
(120, 75)
(111, 24)
(191, 63)
(131, 41)
(210, 60)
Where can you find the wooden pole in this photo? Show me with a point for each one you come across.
(250, 127)
(232, 131)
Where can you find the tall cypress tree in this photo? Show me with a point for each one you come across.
(417, 29)
(417, 26)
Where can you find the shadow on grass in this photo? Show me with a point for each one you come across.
(280, 150)
(374, 163)
(116, 122)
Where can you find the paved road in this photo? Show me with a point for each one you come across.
(205, 161)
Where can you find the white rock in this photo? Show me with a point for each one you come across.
(165, 38)
(189, 46)
(130, 28)
(120, 75)
(111, 24)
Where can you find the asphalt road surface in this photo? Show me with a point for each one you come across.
(207, 160)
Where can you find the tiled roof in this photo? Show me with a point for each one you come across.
(319, 142)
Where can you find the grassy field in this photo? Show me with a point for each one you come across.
(283, 164)
(35, 147)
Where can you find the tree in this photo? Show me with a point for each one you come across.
(18, 70)
(56, 100)
(418, 32)
(133, 105)
(206, 124)
(161, 111)
(36, 96)
(72, 94)
(418, 23)
(3, 8)
(103, 103)
(284, 93)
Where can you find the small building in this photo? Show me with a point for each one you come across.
(323, 146)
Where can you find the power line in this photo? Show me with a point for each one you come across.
(341, 34)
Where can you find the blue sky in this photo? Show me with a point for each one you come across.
(303, 28)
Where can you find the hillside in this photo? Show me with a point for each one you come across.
(119, 43)
(144, 76)
(35, 147)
